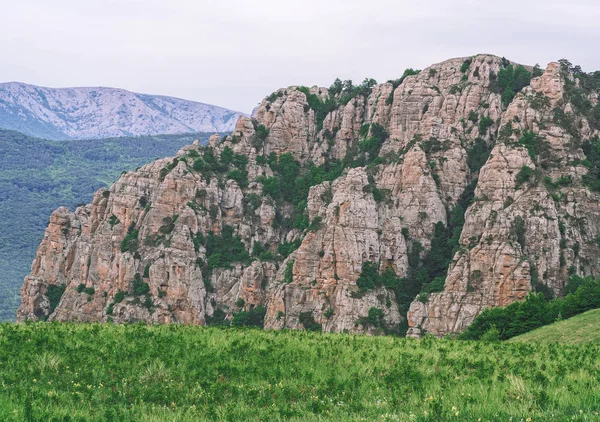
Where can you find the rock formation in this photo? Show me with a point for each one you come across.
(335, 208)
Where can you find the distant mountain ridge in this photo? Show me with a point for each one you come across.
(98, 112)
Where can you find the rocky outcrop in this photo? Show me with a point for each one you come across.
(285, 216)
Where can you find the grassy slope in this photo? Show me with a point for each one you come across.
(37, 176)
(583, 328)
(159, 373)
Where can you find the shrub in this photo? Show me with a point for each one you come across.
(288, 274)
(523, 176)
(510, 81)
(286, 248)
(168, 224)
(308, 321)
(119, 296)
(130, 242)
(138, 287)
(222, 251)
(113, 221)
(369, 278)
(376, 316)
(466, 64)
(484, 124)
(147, 271)
(260, 135)
(252, 318)
(218, 318)
(477, 155)
(239, 176)
(518, 230)
(54, 294)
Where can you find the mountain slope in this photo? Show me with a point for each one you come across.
(97, 112)
(37, 176)
(420, 201)
(583, 328)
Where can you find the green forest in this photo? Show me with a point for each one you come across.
(37, 176)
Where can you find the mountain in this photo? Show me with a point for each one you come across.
(89, 113)
(37, 176)
(409, 205)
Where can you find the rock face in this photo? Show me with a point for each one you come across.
(286, 216)
(85, 113)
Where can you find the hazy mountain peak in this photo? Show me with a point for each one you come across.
(100, 112)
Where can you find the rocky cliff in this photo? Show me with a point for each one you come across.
(457, 188)
(98, 112)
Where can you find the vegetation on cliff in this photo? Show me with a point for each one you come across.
(37, 176)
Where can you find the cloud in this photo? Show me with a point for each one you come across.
(233, 52)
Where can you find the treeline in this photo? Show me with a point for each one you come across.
(582, 294)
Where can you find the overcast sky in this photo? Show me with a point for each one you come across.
(232, 53)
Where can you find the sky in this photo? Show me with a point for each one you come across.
(232, 53)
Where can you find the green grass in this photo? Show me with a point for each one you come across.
(582, 328)
(60, 372)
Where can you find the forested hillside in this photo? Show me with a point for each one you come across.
(37, 176)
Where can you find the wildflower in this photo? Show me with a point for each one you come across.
(456, 414)
(528, 420)
(454, 408)
(580, 412)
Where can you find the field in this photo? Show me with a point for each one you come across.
(70, 372)
(583, 328)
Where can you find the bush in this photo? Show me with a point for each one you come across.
(288, 274)
(466, 64)
(510, 81)
(308, 321)
(222, 251)
(239, 176)
(376, 316)
(484, 124)
(477, 155)
(113, 221)
(147, 271)
(217, 319)
(286, 248)
(369, 278)
(130, 242)
(252, 318)
(260, 135)
(119, 296)
(138, 287)
(54, 294)
(523, 176)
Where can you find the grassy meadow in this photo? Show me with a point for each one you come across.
(93, 372)
(583, 328)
